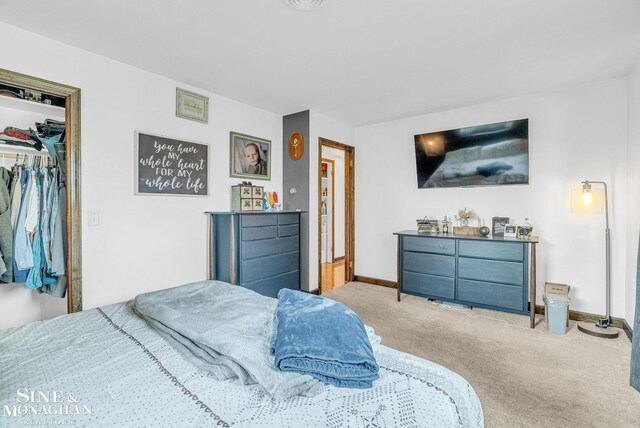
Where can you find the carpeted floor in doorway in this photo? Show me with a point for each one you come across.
(524, 377)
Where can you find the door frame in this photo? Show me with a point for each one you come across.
(349, 192)
(74, 224)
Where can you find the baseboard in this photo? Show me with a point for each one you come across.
(314, 291)
(375, 281)
(628, 330)
(338, 259)
(620, 323)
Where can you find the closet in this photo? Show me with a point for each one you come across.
(39, 200)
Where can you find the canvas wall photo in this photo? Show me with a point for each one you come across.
(483, 155)
(250, 157)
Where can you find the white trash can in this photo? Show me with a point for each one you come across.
(556, 309)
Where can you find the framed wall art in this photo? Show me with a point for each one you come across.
(192, 106)
(168, 166)
(250, 157)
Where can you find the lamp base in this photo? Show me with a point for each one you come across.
(592, 329)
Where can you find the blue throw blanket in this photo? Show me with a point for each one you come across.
(322, 338)
(225, 330)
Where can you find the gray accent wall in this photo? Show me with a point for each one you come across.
(295, 174)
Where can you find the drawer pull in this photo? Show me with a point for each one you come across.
(443, 247)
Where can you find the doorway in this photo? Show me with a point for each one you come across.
(335, 214)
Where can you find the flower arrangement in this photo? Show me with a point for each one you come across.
(465, 215)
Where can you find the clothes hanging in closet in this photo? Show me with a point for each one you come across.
(6, 232)
(38, 233)
(33, 214)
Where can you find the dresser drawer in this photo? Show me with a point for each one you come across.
(255, 269)
(486, 293)
(288, 230)
(249, 220)
(429, 245)
(492, 250)
(255, 233)
(491, 270)
(253, 249)
(433, 264)
(432, 286)
(288, 218)
(270, 286)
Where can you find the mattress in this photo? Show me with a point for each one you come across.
(106, 367)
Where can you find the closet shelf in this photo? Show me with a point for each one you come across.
(51, 112)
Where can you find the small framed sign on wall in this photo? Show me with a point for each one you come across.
(192, 106)
(168, 166)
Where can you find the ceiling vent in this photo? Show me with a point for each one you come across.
(305, 4)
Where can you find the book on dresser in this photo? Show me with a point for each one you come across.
(259, 251)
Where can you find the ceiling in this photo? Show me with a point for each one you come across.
(358, 61)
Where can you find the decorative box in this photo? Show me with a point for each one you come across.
(466, 231)
(246, 198)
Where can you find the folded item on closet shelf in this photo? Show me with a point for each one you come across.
(20, 137)
(10, 94)
(50, 127)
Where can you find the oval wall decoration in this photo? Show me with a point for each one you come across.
(296, 146)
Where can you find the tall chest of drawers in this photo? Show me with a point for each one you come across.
(259, 251)
(486, 272)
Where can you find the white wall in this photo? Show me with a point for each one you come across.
(143, 242)
(337, 156)
(575, 134)
(331, 129)
(633, 194)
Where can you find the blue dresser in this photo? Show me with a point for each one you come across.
(477, 271)
(256, 250)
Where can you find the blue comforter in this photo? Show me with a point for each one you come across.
(322, 338)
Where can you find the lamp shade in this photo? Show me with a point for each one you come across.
(579, 204)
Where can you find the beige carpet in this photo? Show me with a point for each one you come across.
(524, 377)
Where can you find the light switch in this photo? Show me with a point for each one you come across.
(94, 218)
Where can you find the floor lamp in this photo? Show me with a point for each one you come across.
(601, 327)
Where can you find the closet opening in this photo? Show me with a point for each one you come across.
(335, 214)
(40, 223)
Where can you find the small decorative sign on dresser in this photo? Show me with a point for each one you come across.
(166, 166)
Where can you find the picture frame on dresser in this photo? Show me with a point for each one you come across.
(498, 224)
(510, 230)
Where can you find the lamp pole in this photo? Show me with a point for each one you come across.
(602, 324)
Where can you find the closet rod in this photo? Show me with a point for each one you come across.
(21, 155)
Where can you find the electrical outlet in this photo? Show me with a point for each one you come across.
(94, 218)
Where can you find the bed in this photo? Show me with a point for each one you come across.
(107, 367)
